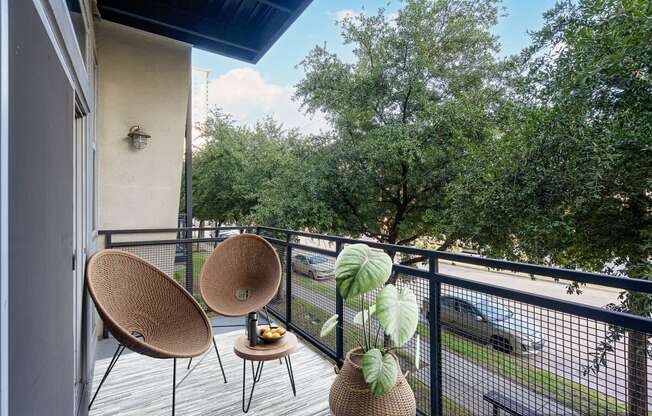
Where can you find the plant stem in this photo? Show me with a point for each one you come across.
(377, 336)
(369, 316)
(355, 336)
(364, 332)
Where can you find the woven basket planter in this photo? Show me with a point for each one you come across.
(350, 395)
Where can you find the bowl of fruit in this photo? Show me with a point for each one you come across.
(270, 334)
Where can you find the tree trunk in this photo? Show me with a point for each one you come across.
(637, 399)
(637, 378)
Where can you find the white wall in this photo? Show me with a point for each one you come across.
(144, 80)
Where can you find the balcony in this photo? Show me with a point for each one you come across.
(142, 385)
(537, 350)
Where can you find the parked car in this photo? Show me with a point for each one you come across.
(486, 319)
(225, 233)
(316, 266)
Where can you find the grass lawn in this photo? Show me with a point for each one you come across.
(310, 318)
(324, 289)
(198, 260)
(565, 391)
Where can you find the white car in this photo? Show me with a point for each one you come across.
(315, 266)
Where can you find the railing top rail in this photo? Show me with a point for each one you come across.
(600, 279)
(617, 282)
(166, 242)
(172, 230)
(635, 322)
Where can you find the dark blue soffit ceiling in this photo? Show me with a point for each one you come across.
(241, 29)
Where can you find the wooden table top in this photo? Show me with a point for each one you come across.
(265, 352)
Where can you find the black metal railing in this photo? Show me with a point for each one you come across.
(493, 335)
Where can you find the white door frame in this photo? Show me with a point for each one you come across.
(79, 243)
(4, 204)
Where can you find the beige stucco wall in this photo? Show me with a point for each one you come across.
(144, 80)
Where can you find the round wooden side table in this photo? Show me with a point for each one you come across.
(279, 350)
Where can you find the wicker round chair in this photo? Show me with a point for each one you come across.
(241, 275)
(145, 310)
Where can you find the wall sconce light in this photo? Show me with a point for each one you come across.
(139, 139)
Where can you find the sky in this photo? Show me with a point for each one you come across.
(251, 92)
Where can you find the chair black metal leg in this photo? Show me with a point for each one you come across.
(114, 359)
(219, 359)
(288, 364)
(174, 384)
(256, 376)
(189, 362)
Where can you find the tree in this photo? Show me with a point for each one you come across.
(422, 88)
(233, 169)
(567, 182)
(217, 171)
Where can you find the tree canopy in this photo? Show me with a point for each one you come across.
(567, 180)
(424, 85)
(235, 166)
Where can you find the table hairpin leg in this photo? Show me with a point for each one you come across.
(288, 364)
(256, 376)
(260, 373)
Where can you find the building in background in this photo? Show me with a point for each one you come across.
(199, 102)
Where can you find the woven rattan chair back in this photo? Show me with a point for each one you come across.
(144, 309)
(242, 275)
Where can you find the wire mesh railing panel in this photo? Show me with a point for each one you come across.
(357, 330)
(418, 369)
(534, 359)
(163, 256)
(313, 293)
(174, 259)
(279, 303)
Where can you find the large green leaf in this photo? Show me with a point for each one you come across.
(397, 312)
(329, 325)
(359, 270)
(364, 315)
(380, 371)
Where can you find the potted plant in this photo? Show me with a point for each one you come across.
(371, 381)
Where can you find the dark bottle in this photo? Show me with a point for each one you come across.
(252, 329)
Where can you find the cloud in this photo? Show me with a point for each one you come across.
(248, 96)
(340, 15)
(343, 14)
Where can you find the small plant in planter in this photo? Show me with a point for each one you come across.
(360, 270)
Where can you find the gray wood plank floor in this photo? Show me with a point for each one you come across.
(140, 385)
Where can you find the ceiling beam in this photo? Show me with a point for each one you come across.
(177, 28)
(275, 5)
(300, 7)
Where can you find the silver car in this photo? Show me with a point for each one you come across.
(485, 318)
(315, 266)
